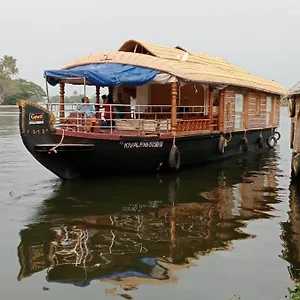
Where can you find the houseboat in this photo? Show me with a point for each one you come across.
(168, 108)
(293, 97)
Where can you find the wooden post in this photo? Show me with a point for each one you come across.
(174, 107)
(245, 110)
(62, 99)
(211, 102)
(221, 110)
(97, 97)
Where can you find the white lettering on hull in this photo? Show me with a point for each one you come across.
(142, 144)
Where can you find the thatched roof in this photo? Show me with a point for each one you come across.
(189, 66)
(295, 90)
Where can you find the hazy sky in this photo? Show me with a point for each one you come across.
(260, 35)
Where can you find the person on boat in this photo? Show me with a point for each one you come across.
(88, 111)
(119, 108)
(106, 112)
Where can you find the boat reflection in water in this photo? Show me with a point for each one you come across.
(291, 233)
(139, 230)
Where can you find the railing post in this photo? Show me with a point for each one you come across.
(61, 100)
(174, 107)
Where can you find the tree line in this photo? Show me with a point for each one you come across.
(12, 89)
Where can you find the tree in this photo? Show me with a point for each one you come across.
(24, 90)
(8, 88)
(8, 67)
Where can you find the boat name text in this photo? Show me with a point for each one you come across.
(142, 144)
(36, 118)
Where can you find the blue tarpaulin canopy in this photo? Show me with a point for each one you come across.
(106, 74)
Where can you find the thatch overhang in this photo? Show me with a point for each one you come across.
(187, 66)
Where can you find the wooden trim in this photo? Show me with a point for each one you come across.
(273, 104)
(245, 110)
(62, 99)
(174, 87)
(221, 110)
(211, 102)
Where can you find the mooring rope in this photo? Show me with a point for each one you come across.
(174, 139)
(225, 141)
(53, 149)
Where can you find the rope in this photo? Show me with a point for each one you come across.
(174, 140)
(230, 137)
(225, 141)
(53, 149)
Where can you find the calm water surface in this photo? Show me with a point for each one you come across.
(230, 228)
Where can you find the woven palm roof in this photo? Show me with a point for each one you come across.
(295, 90)
(186, 65)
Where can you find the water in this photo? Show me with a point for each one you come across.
(229, 228)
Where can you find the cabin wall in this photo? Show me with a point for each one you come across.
(192, 95)
(257, 103)
(276, 119)
(254, 113)
(229, 109)
(160, 94)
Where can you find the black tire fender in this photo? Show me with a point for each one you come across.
(244, 144)
(296, 166)
(277, 135)
(271, 141)
(260, 141)
(292, 107)
(174, 158)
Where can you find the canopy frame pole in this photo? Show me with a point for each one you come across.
(61, 100)
(47, 93)
(84, 86)
(97, 97)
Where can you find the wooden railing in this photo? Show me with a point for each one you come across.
(143, 118)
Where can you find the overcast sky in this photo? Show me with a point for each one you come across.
(260, 35)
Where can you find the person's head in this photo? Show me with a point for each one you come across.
(85, 100)
(104, 97)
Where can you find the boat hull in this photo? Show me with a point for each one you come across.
(71, 156)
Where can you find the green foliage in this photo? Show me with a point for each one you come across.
(26, 90)
(295, 294)
(13, 89)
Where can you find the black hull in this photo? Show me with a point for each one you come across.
(88, 157)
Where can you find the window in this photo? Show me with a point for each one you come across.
(258, 106)
(239, 108)
(269, 111)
